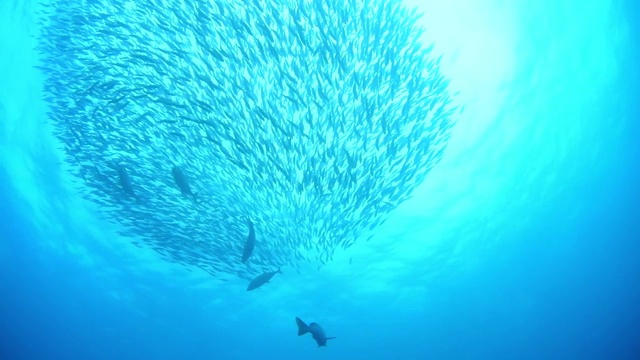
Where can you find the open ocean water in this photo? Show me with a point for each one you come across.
(521, 241)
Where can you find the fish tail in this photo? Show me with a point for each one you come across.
(302, 327)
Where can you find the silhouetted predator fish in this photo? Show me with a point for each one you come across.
(250, 243)
(316, 331)
(181, 181)
(125, 182)
(262, 279)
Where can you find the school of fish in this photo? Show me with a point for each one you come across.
(244, 136)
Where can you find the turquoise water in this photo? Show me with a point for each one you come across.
(521, 242)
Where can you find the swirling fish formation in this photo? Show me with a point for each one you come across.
(185, 119)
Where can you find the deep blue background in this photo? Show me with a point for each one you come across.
(584, 296)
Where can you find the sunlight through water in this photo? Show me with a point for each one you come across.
(527, 82)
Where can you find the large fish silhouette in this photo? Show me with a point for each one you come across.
(262, 279)
(316, 331)
(250, 243)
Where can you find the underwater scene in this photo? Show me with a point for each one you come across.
(319, 179)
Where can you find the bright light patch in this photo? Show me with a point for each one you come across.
(531, 82)
(477, 48)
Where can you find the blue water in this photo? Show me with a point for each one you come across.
(522, 243)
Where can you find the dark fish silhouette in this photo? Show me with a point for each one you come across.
(262, 279)
(250, 243)
(125, 182)
(181, 181)
(316, 331)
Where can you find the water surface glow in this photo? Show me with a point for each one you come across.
(478, 264)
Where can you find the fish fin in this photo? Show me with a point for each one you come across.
(325, 343)
(279, 271)
(302, 327)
